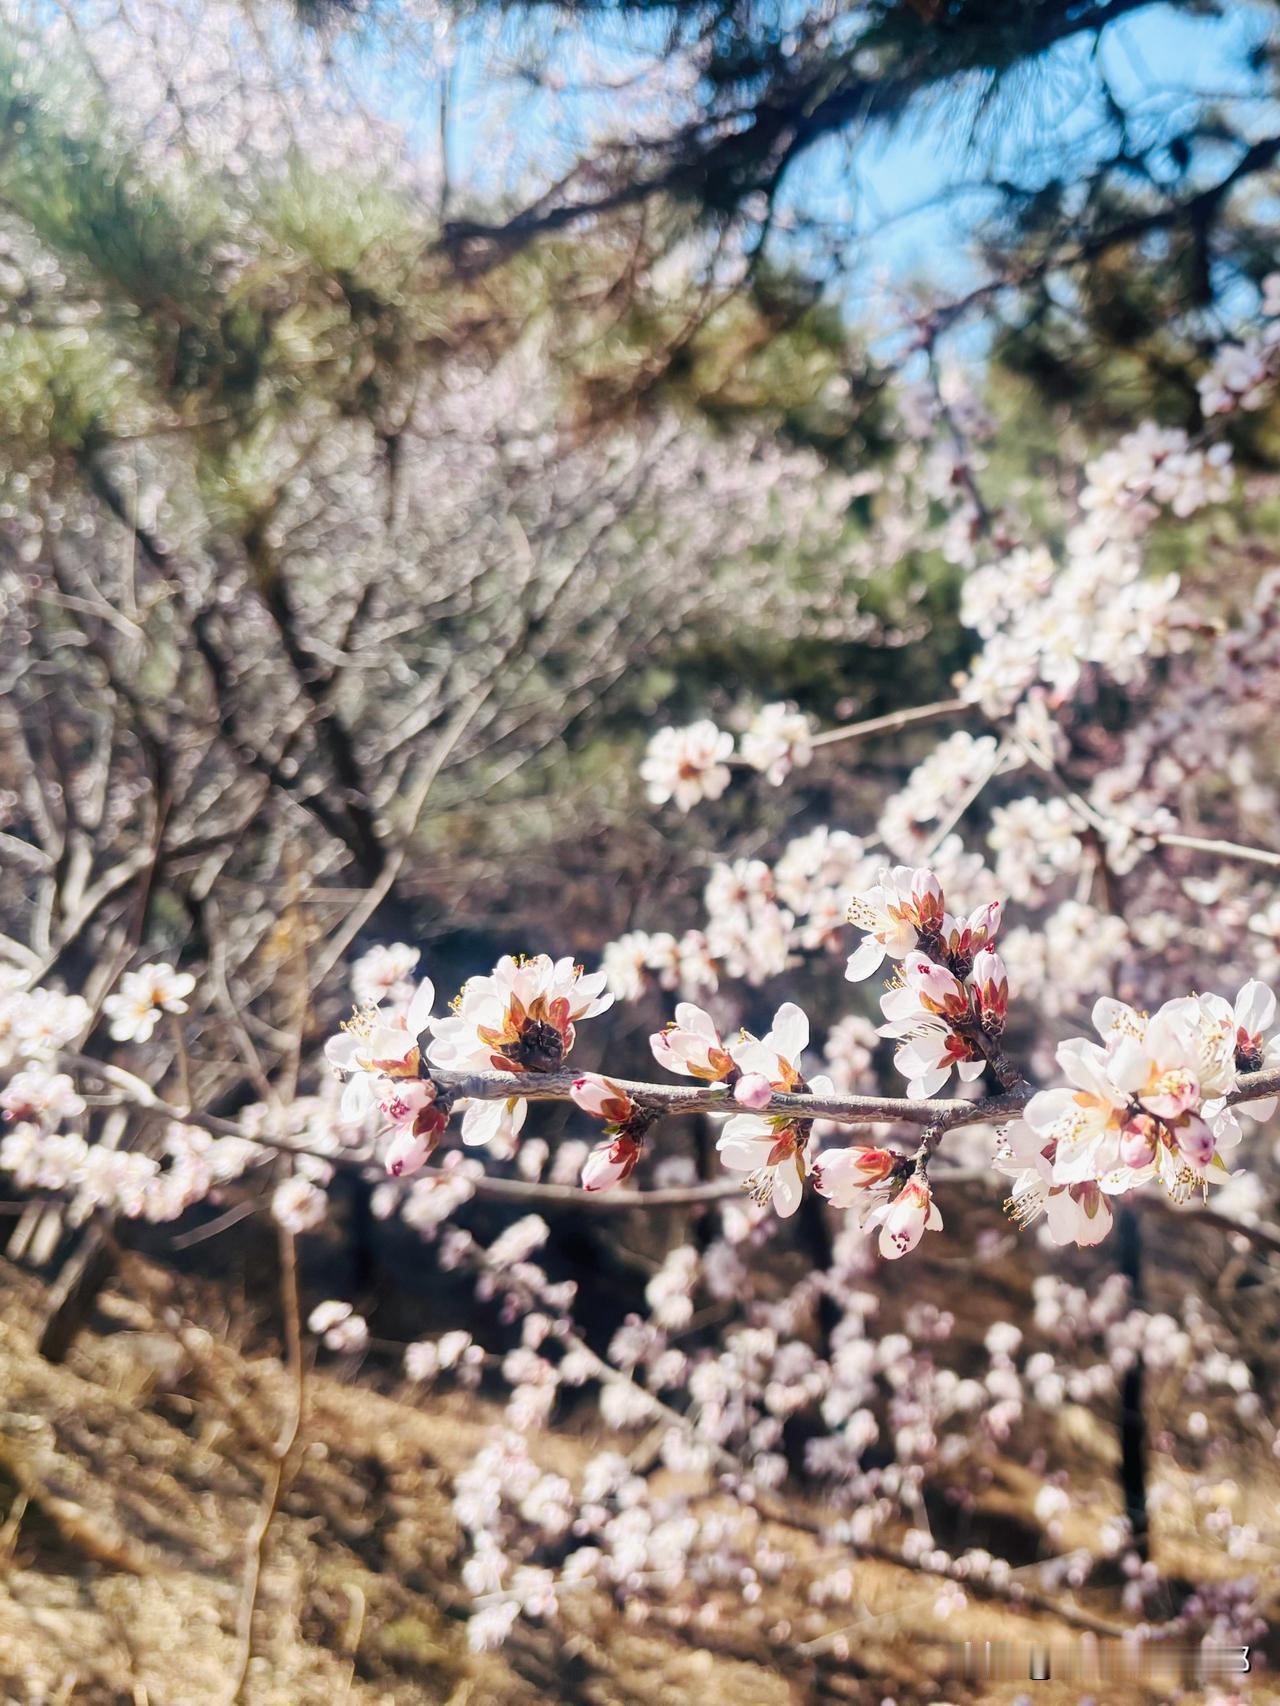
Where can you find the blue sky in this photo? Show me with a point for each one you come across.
(1160, 62)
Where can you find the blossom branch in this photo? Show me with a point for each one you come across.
(1147, 841)
(506, 1039)
(936, 1115)
(894, 721)
(1234, 850)
(676, 1099)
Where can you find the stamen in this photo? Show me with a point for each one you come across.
(759, 1186)
(1026, 1207)
(362, 1020)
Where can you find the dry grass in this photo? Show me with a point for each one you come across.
(130, 1477)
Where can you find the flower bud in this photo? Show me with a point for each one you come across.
(990, 984)
(984, 925)
(610, 1163)
(408, 1152)
(905, 1220)
(1195, 1140)
(602, 1098)
(1138, 1141)
(753, 1090)
(927, 901)
(936, 989)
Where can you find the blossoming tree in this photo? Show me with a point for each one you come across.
(1089, 847)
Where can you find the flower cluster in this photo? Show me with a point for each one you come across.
(338, 1327)
(1047, 623)
(613, 1161)
(936, 788)
(1240, 376)
(682, 963)
(43, 1155)
(778, 740)
(758, 919)
(1149, 470)
(770, 1149)
(521, 1017)
(881, 1405)
(36, 1023)
(774, 1150)
(378, 1053)
(688, 765)
(1153, 1100)
(1035, 842)
(951, 988)
(749, 932)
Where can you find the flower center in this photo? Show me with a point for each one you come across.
(538, 1048)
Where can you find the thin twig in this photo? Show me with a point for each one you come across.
(181, 1059)
(893, 721)
(273, 1489)
(1222, 849)
(1147, 841)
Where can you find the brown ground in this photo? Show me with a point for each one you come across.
(131, 1476)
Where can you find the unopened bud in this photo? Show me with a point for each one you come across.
(753, 1090)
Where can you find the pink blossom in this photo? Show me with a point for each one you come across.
(602, 1098)
(769, 1153)
(894, 912)
(904, 1221)
(1078, 1214)
(687, 765)
(403, 1100)
(775, 1057)
(753, 1090)
(377, 1042)
(610, 1163)
(522, 1017)
(691, 1046)
(142, 997)
(409, 1151)
(842, 1175)
(1160, 1069)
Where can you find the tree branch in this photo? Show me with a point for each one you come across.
(710, 1098)
(894, 721)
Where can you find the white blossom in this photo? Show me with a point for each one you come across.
(135, 1009)
(687, 765)
(777, 740)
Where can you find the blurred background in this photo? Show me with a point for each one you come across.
(406, 411)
